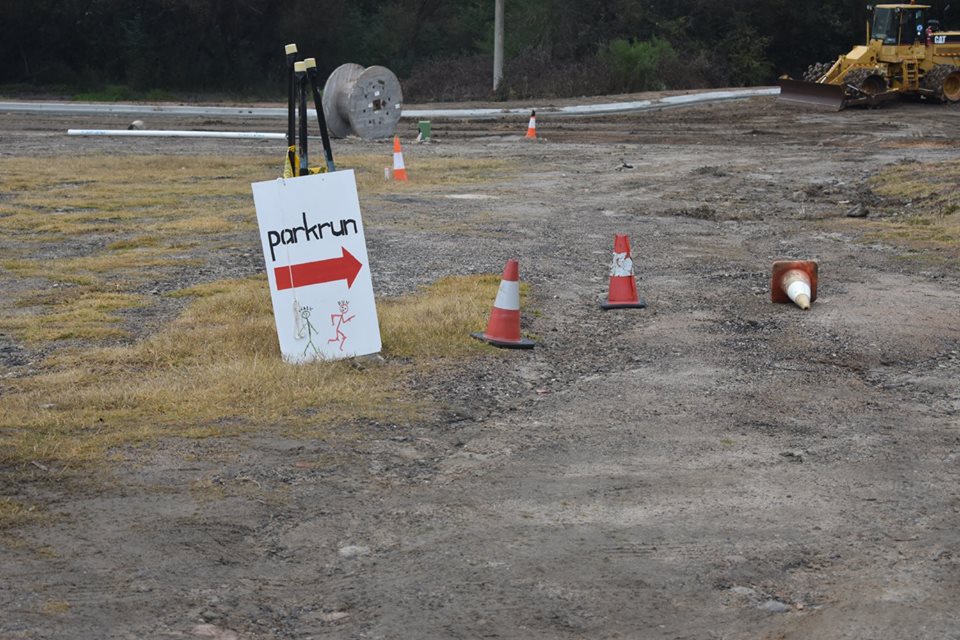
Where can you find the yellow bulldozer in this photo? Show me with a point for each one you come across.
(906, 55)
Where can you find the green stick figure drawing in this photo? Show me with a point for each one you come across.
(305, 315)
(340, 336)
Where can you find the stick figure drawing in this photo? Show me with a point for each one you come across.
(340, 319)
(305, 326)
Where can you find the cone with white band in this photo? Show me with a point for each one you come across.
(794, 281)
(623, 284)
(532, 126)
(399, 169)
(503, 329)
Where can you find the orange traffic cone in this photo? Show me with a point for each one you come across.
(623, 284)
(399, 170)
(794, 280)
(503, 329)
(532, 127)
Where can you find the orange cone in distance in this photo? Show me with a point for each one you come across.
(503, 329)
(399, 169)
(532, 126)
(623, 284)
(794, 280)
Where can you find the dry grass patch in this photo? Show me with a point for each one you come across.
(130, 265)
(56, 607)
(429, 176)
(217, 370)
(138, 242)
(436, 322)
(111, 194)
(932, 186)
(481, 224)
(16, 514)
(84, 314)
(128, 219)
(158, 201)
(426, 172)
(136, 219)
(933, 221)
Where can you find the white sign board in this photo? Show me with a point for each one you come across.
(316, 257)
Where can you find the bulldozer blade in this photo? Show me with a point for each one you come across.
(815, 93)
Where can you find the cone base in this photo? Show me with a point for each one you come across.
(523, 343)
(639, 304)
(781, 267)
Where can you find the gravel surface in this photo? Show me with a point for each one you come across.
(714, 466)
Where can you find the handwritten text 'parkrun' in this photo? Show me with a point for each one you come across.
(309, 232)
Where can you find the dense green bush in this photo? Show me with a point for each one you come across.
(636, 66)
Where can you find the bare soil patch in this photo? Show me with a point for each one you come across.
(713, 466)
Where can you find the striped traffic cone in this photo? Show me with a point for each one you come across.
(623, 284)
(503, 329)
(794, 280)
(532, 126)
(399, 169)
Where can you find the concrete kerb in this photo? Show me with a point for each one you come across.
(84, 108)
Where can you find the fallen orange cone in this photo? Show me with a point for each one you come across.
(399, 169)
(503, 329)
(532, 126)
(794, 280)
(623, 284)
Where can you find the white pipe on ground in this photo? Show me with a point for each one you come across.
(154, 133)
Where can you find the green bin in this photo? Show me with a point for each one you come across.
(424, 127)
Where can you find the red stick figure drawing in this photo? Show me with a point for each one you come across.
(340, 319)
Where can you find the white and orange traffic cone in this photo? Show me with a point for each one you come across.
(532, 126)
(794, 280)
(623, 284)
(399, 169)
(503, 329)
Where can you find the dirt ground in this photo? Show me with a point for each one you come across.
(714, 466)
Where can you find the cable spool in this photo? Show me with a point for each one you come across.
(362, 102)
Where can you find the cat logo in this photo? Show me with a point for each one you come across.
(939, 39)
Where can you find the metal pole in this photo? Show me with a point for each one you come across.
(291, 52)
(301, 73)
(312, 75)
(497, 44)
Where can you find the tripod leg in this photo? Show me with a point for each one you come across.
(318, 105)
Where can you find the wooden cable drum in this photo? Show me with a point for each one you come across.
(362, 102)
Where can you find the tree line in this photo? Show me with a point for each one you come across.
(441, 50)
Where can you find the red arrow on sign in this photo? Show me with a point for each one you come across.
(304, 274)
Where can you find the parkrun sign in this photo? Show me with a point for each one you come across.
(315, 252)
